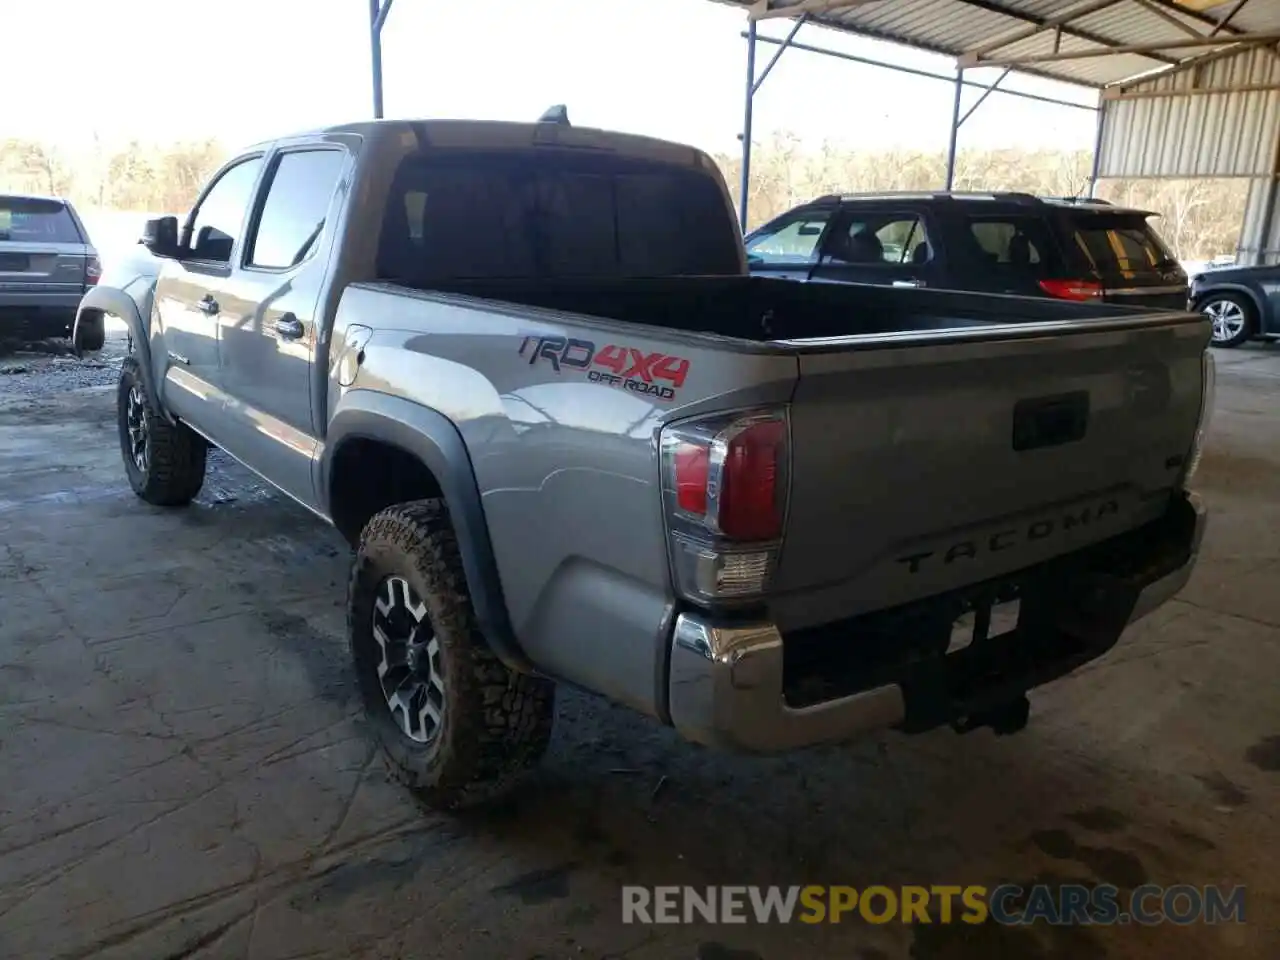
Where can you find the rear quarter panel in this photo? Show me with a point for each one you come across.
(565, 460)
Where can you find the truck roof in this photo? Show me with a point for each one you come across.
(503, 134)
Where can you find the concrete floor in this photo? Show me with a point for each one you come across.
(183, 772)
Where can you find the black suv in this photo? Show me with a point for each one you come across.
(987, 242)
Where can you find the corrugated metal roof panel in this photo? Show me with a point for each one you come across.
(954, 27)
(1197, 135)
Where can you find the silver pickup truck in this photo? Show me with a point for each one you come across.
(523, 369)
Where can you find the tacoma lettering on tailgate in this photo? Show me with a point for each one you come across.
(627, 368)
(1011, 537)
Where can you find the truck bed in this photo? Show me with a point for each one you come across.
(765, 309)
(938, 438)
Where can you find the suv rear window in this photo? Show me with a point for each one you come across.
(541, 213)
(35, 220)
(1121, 245)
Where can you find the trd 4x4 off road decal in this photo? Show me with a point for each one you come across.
(628, 368)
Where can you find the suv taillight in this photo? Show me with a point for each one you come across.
(1072, 289)
(724, 483)
(92, 271)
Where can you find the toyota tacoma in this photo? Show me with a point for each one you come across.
(524, 370)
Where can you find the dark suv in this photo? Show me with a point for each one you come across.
(987, 242)
(46, 265)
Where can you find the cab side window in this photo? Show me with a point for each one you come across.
(297, 203)
(791, 239)
(215, 225)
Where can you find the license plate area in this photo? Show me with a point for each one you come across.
(984, 621)
(14, 262)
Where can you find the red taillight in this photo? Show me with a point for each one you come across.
(1080, 290)
(92, 271)
(691, 466)
(750, 508)
(724, 484)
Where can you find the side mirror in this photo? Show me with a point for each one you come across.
(160, 236)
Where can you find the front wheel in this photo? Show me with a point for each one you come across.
(165, 462)
(453, 722)
(1231, 316)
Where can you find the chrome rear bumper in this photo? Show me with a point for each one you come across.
(726, 679)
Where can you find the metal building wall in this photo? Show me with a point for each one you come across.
(1171, 127)
(1260, 234)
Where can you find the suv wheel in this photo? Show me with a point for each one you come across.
(164, 461)
(90, 331)
(454, 724)
(1232, 318)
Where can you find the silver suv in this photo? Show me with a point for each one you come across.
(46, 265)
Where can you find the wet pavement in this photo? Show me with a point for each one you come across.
(184, 773)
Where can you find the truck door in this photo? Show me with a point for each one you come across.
(190, 291)
(268, 318)
(886, 247)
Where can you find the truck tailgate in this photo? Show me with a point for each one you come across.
(926, 464)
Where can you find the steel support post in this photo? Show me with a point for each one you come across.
(955, 129)
(745, 179)
(1097, 152)
(377, 17)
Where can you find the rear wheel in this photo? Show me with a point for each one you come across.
(454, 723)
(164, 461)
(1232, 317)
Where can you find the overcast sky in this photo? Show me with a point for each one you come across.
(245, 70)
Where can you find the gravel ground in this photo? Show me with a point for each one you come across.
(185, 775)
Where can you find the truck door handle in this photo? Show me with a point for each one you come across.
(208, 305)
(290, 327)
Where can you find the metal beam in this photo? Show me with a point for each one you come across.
(1045, 23)
(762, 10)
(985, 93)
(782, 48)
(1096, 164)
(745, 178)
(382, 16)
(1049, 23)
(1204, 18)
(955, 128)
(915, 72)
(1139, 49)
(377, 19)
(1112, 94)
(1164, 14)
(1225, 19)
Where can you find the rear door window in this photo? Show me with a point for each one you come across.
(1121, 245)
(297, 202)
(534, 214)
(36, 220)
(1016, 247)
(895, 239)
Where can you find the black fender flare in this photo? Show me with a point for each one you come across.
(118, 303)
(434, 440)
(1259, 309)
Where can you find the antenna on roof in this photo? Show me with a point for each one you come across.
(557, 114)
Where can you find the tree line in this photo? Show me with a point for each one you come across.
(140, 176)
(1200, 218)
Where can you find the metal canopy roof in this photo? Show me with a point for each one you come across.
(1091, 42)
